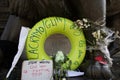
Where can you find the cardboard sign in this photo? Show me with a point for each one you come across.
(37, 70)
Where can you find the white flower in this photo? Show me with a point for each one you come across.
(85, 20)
(64, 79)
(97, 35)
(59, 56)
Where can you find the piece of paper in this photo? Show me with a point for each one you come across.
(22, 40)
(74, 73)
(37, 70)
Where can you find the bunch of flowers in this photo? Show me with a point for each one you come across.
(98, 39)
(60, 71)
(101, 37)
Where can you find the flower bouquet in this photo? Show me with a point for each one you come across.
(60, 72)
(98, 39)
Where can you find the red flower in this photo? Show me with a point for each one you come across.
(100, 59)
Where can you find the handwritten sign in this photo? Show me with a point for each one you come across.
(37, 70)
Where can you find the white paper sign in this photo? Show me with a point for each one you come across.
(37, 70)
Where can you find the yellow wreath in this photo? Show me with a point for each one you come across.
(53, 25)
